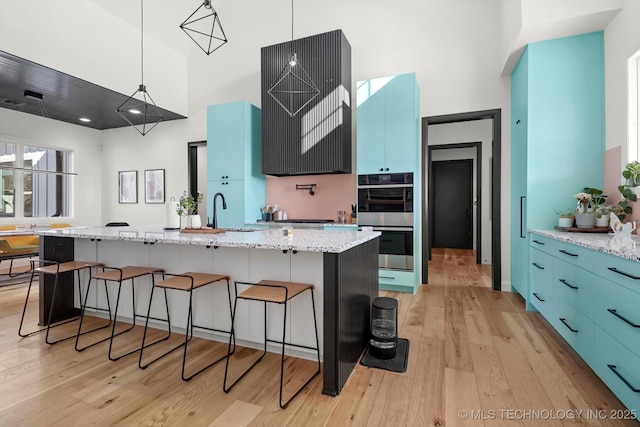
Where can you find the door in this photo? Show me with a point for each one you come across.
(453, 204)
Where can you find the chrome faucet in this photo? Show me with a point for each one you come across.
(224, 206)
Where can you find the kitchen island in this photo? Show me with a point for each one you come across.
(343, 267)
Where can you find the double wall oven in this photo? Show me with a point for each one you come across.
(385, 202)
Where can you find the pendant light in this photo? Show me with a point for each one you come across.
(142, 114)
(204, 28)
(293, 89)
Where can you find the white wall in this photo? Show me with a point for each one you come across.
(474, 131)
(621, 40)
(87, 162)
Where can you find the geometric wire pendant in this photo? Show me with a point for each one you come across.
(134, 110)
(204, 28)
(141, 115)
(293, 88)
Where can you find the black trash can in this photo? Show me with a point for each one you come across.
(384, 328)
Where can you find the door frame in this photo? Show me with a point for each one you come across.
(478, 211)
(192, 166)
(495, 194)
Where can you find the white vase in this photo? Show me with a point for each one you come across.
(565, 222)
(195, 221)
(585, 220)
(185, 220)
(602, 221)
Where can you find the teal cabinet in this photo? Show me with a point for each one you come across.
(591, 299)
(557, 137)
(234, 161)
(387, 128)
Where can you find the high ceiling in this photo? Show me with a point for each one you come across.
(64, 97)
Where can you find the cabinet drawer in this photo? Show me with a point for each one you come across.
(616, 311)
(541, 276)
(573, 285)
(571, 253)
(618, 368)
(542, 243)
(575, 328)
(396, 280)
(619, 270)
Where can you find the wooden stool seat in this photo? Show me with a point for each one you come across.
(126, 273)
(274, 291)
(182, 283)
(186, 282)
(15, 270)
(278, 292)
(65, 267)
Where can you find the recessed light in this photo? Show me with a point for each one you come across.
(84, 119)
(132, 111)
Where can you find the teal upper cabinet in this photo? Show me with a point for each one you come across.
(234, 160)
(388, 124)
(557, 135)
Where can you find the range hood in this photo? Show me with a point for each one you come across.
(316, 140)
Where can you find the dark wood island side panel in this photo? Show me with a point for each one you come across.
(350, 285)
(56, 249)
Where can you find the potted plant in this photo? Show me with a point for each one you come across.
(188, 208)
(623, 208)
(565, 218)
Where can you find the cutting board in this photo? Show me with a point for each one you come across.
(202, 230)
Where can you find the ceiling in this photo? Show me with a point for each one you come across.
(64, 97)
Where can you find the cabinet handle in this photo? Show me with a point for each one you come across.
(387, 277)
(564, 322)
(537, 266)
(624, 380)
(538, 242)
(536, 295)
(522, 236)
(631, 276)
(381, 169)
(294, 251)
(624, 319)
(567, 253)
(284, 251)
(564, 282)
(386, 169)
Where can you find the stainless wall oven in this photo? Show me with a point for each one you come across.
(385, 202)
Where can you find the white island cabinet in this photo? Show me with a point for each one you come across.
(341, 266)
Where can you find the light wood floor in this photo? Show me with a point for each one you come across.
(471, 349)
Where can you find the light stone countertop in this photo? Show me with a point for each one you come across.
(623, 246)
(300, 240)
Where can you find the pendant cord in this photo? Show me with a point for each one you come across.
(142, 42)
(291, 20)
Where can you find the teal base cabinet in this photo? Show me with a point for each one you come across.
(234, 154)
(396, 280)
(557, 137)
(591, 298)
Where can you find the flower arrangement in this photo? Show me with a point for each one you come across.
(584, 202)
(188, 205)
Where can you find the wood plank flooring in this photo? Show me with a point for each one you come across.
(471, 349)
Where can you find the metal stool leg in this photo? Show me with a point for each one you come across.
(82, 313)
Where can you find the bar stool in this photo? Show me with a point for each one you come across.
(186, 282)
(56, 268)
(120, 274)
(277, 292)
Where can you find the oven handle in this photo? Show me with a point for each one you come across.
(385, 186)
(392, 228)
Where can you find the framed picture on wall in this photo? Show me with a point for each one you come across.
(154, 186)
(128, 187)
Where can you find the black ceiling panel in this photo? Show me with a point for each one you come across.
(64, 97)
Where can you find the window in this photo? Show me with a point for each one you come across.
(35, 181)
(634, 107)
